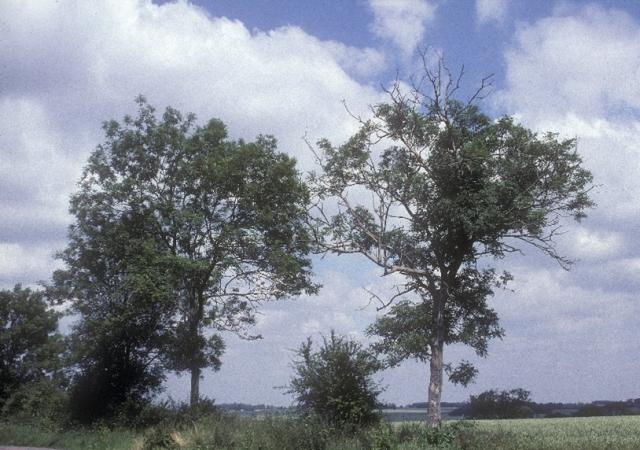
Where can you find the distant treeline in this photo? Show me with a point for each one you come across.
(465, 409)
(507, 406)
(242, 407)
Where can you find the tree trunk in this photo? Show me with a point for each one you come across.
(436, 367)
(434, 415)
(195, 315)
(195, 386)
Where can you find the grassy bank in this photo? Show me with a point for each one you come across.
(228, 432)
(81, 439)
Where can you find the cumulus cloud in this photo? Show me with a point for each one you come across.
(585, 63)
(574, 73)
(596, 244)
(67, 69)
(491, 11)
(403, 22)
(561, 329)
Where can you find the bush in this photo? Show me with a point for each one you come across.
(335, 382)
(493, 404)
(167, 413)
(41, 401)
(112, 381)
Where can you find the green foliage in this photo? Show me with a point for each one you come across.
(111, 385)
(462, 374)
(450, 189)
(382, 437)
(30, 345)
(493, 404)
(179, 234)
(42, 402)
(336, 382)
(124, 324)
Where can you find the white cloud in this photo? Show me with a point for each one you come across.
(552, 320)
(66, 69)
(403, 22)
(575, 74)
(596, 244)
(586, 64)
(491, 10)
(23, 261)
(363, 62)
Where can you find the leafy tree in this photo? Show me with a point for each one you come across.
(493, 404)
(30, 345)
(450, 190)
(335, 382)
(120, 290)
(117, 349)
(200, 226)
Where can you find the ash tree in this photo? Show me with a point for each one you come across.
(432, 190)
(187, 231)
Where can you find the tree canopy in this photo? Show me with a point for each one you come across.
(431, 189)
(182, 232)
(30, 345)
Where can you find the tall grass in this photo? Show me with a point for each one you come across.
(99, 438)
(227, 432)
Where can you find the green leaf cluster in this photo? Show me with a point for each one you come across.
(179, 234)
(336, 381)
(31, 348)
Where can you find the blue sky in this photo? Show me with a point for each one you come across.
(283, 68)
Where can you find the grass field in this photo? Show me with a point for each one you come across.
(579, 433)
(610, 433)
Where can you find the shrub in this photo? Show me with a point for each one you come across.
(335, 382)
(37, 401)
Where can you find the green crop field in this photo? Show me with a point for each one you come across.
(593, 433)
(580, 433)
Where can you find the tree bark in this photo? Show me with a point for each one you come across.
(436, 366)
(195, 386)
(195, 315)
(434, 415)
